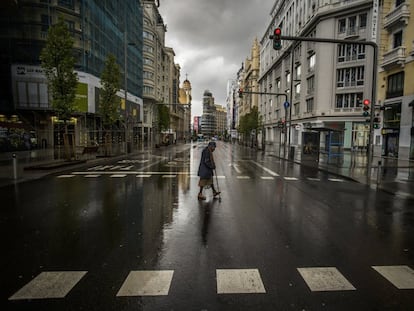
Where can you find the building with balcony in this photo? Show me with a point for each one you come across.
(395, 89)
(324, 83)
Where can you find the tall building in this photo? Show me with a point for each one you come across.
(324, 83)
(221, 120)
(395, 87)
(98, 28)
(208, 120)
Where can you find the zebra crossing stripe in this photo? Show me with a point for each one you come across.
(143, 176)
(53, 284)
(324, 279)
(335, 179)
(401, 277)
(66, 176)
(169, 176)
(267, 177)
(243, 177)
(289, 178)
(239, 281)
(147, 283)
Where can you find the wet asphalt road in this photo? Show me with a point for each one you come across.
(142, 214)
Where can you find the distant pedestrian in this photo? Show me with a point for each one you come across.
(206, 170)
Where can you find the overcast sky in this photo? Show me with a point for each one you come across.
(211, 39)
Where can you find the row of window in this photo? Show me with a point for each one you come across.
(351, 24)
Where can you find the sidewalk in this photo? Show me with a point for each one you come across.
(393, 176)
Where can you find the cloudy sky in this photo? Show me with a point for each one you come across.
(211, 39)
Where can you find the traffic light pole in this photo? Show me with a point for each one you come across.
(370, 151)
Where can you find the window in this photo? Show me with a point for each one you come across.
(67, 4)
(349, 100)
(278, 85)
(296, 108)
(352, 76)
(288, 77)
(342, 25)
(363, 20)
(147, 48)
(395, 85)
(309, 105)
(148, 35)
(45, 22)
(399, 2)
(397, 39)
(311, 85)
(351, 25)
(312, 61)
(298, 72)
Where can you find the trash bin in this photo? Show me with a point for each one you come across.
(292, 153)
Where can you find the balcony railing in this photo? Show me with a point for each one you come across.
(400, 14)
(393, 58)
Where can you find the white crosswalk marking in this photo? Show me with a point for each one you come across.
(266, 169)
(243, 177)
(66, 176)
(401, 277)
(143, 176)
(49, 285)
(335, 179)
(267, 177)
(147, 283)
(239, 281)
(290, 178)
(313, 179)
(325, 279)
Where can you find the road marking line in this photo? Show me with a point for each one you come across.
(325, 279)
(54, 284)
(143, 176)
(147, 283)
(127, 168)
(313, 179)
(169, 176)
(265, 169)
(335, 179)
(290, 178)
(66, 176)
(267, 177)
(239, 281)
(401, 277)
(243, 177)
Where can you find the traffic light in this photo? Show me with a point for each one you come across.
(377, 122)
(366, 103)
(277, 41)
(241, 93)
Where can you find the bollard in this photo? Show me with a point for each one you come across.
(379, 173)
(14, 166)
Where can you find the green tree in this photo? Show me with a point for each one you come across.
(58, 64)
(163, 117)
(109, 101)
(249, 122)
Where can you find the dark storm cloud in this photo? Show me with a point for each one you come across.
(211, 38)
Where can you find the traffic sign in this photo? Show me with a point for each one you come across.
(286, 105)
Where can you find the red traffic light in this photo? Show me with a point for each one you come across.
(366, 102)
(277, 32)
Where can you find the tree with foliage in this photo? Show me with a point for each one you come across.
(58, 63)
(163, 117)
(109, 101)
(249, 122)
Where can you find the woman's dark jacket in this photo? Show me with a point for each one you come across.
(205, 170)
